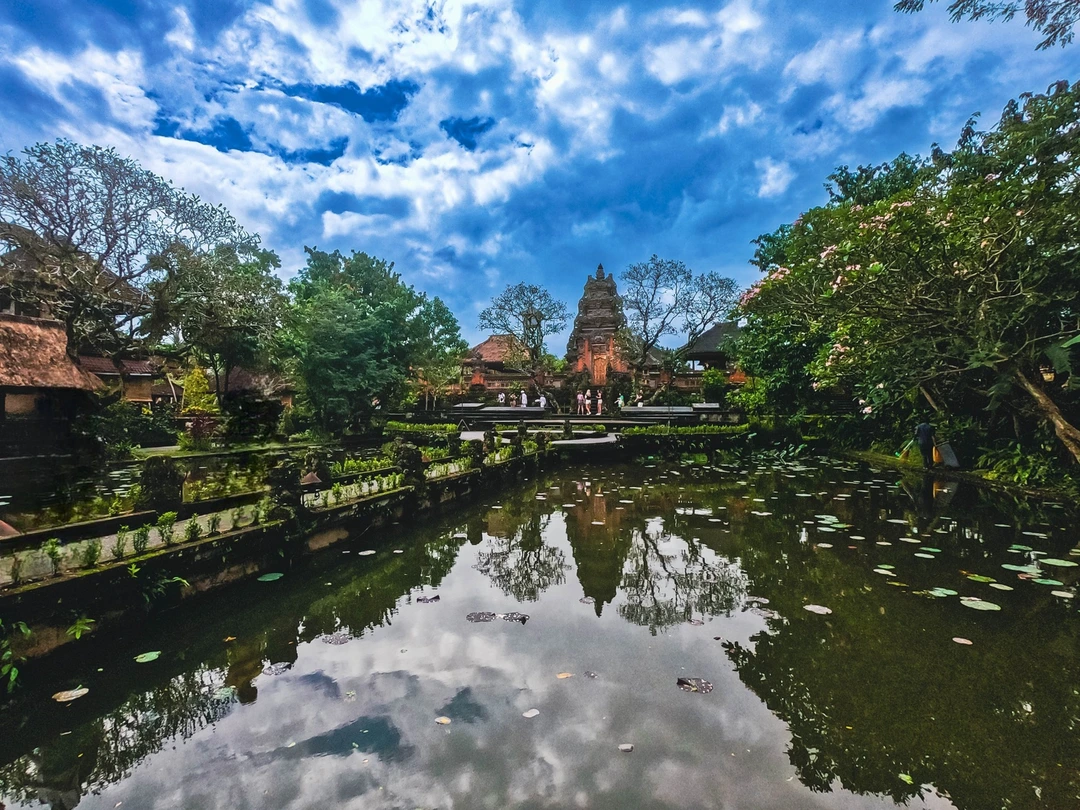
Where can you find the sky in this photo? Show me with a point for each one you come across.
(479, 144)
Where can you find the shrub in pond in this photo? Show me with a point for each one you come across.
(119, 545)
(51, 549)
(166, 526)
(90, 553)
(192, 531)
(214, 524)
(140, 540)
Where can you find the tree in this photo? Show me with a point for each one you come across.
(198, 400)
(663, 297)
(439, 348)
(1053, 18)
(968, 279)
(357, 332)
(90, 229)
(529, 313)
(224, 305)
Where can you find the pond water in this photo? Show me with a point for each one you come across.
(323, 688)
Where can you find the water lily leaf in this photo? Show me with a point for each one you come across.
(626, 748)
(481, 616)
(699, 685)
(925, 556)
(824, 545)
(70, 695)
(1059, 563)
(1063, 594)
(427, 600)
(887, 567)
(885, 572)
(964, 641)
(1023, 569)
(365, 553)
(931, 549)
(975, 603)
(905, 778)
(1054, 582)
(1000, 586)
(980, 578)
(530, 713)
(270, 577)
(147, 657)
(442, 721)
(821, 610)
(562, 676)
(1019, 547)
(825, 529)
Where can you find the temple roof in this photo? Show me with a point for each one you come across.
(33, 354)
(499, 349)
(714, 341)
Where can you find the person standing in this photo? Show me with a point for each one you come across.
(580, 403)
(524, 399)
(502, 398)
(621, 402)
(924, 437)
(588, 402)
(543, 402)
(599, 402)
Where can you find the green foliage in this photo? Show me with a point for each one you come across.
(213, 524)
(415, 427)
(950, 285)
(198, 433)
(161, 483)
(166, 527)
(16, 569)
(81, 625)
(140, 540)
(119, 546)
(714, 385)
(90, 553)
(1055, 19)
(530, 314)
(192, 530)
(123, 426)
(688, 430)
(52, 549)
(198, 399)
(9, 670)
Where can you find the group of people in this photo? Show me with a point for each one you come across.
(585, 402)
(522, 399)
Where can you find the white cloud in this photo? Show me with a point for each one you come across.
(734, 36)
(775, 177)
(737, 116)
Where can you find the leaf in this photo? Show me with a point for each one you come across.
(530, 713)
(980, 578)
(564, 675)
(1023, 569)
(1058, 563)
(698, 685)
(626, 748)
(1054, 582)
(975, 603)
(147, 657)
(821, 610)
(70, 695)
(442, 721)
(905, 778)
(270, 577)
(964, 641)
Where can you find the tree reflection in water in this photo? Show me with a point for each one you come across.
(516, 557)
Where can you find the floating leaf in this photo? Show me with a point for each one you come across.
(943, 592)
(925, 556)
(562, 676)
(481, 616)
(530, 713)
(1023, 569)
(626, 748)
(885, 572)
(442, 721)
(1054, 582)
(365, 553)
(427, 600)
(1063, 594)
(147, 657)
(821, 610)
(270, 577)
(70, 695)
(965, 641)
(824, 545)
(975, 603)
(980, 578)
(931, 549)
(1000, 586)
(905, 778)
(699, 685)
(1059, 563)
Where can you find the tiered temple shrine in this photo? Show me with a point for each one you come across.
(592, 346)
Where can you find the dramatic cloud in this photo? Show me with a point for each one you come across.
(481, 143)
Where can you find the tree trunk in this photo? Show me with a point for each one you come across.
(1069, 435)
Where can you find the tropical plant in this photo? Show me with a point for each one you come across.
(214, 524)
(192, 530)
(90, 553)
(119, 546)
(140, 540)
(9, 670)
(81, 625)
(53, 551)
(166, 527)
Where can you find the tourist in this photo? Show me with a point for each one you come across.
(599, 402)
(524, 399)
(588, 401)
(640, 401)
(580, 403)
(621, 402)
(502, 398)
(543, 402)
(924, 437)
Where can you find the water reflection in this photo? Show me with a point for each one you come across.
(324, 686)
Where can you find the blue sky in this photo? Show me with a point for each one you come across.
(480, 144)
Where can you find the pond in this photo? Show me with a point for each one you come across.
(947, 674)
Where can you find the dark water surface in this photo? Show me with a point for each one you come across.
(322, 689)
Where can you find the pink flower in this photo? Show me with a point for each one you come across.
(868, 409)
(827, 252)
(992, 177)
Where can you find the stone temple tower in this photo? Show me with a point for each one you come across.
(592, 342)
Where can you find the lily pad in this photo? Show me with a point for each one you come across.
(365, 553)
(530, 713)
(925, 556)
(980, 578)
(824, 545)
(626, 748)
(965, 641)
(481, 616)
(1054, 582)
(1001, 586)
(1063, 594)
(821, 610)
(975, 603)
(442, 721)
(270, 577)
(905, 778)
(70, 695)
(562, 676)
(427, 600)
(1054, 561)
(147, 657)
(940, 592)
(1023, 569)
(699, 685)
